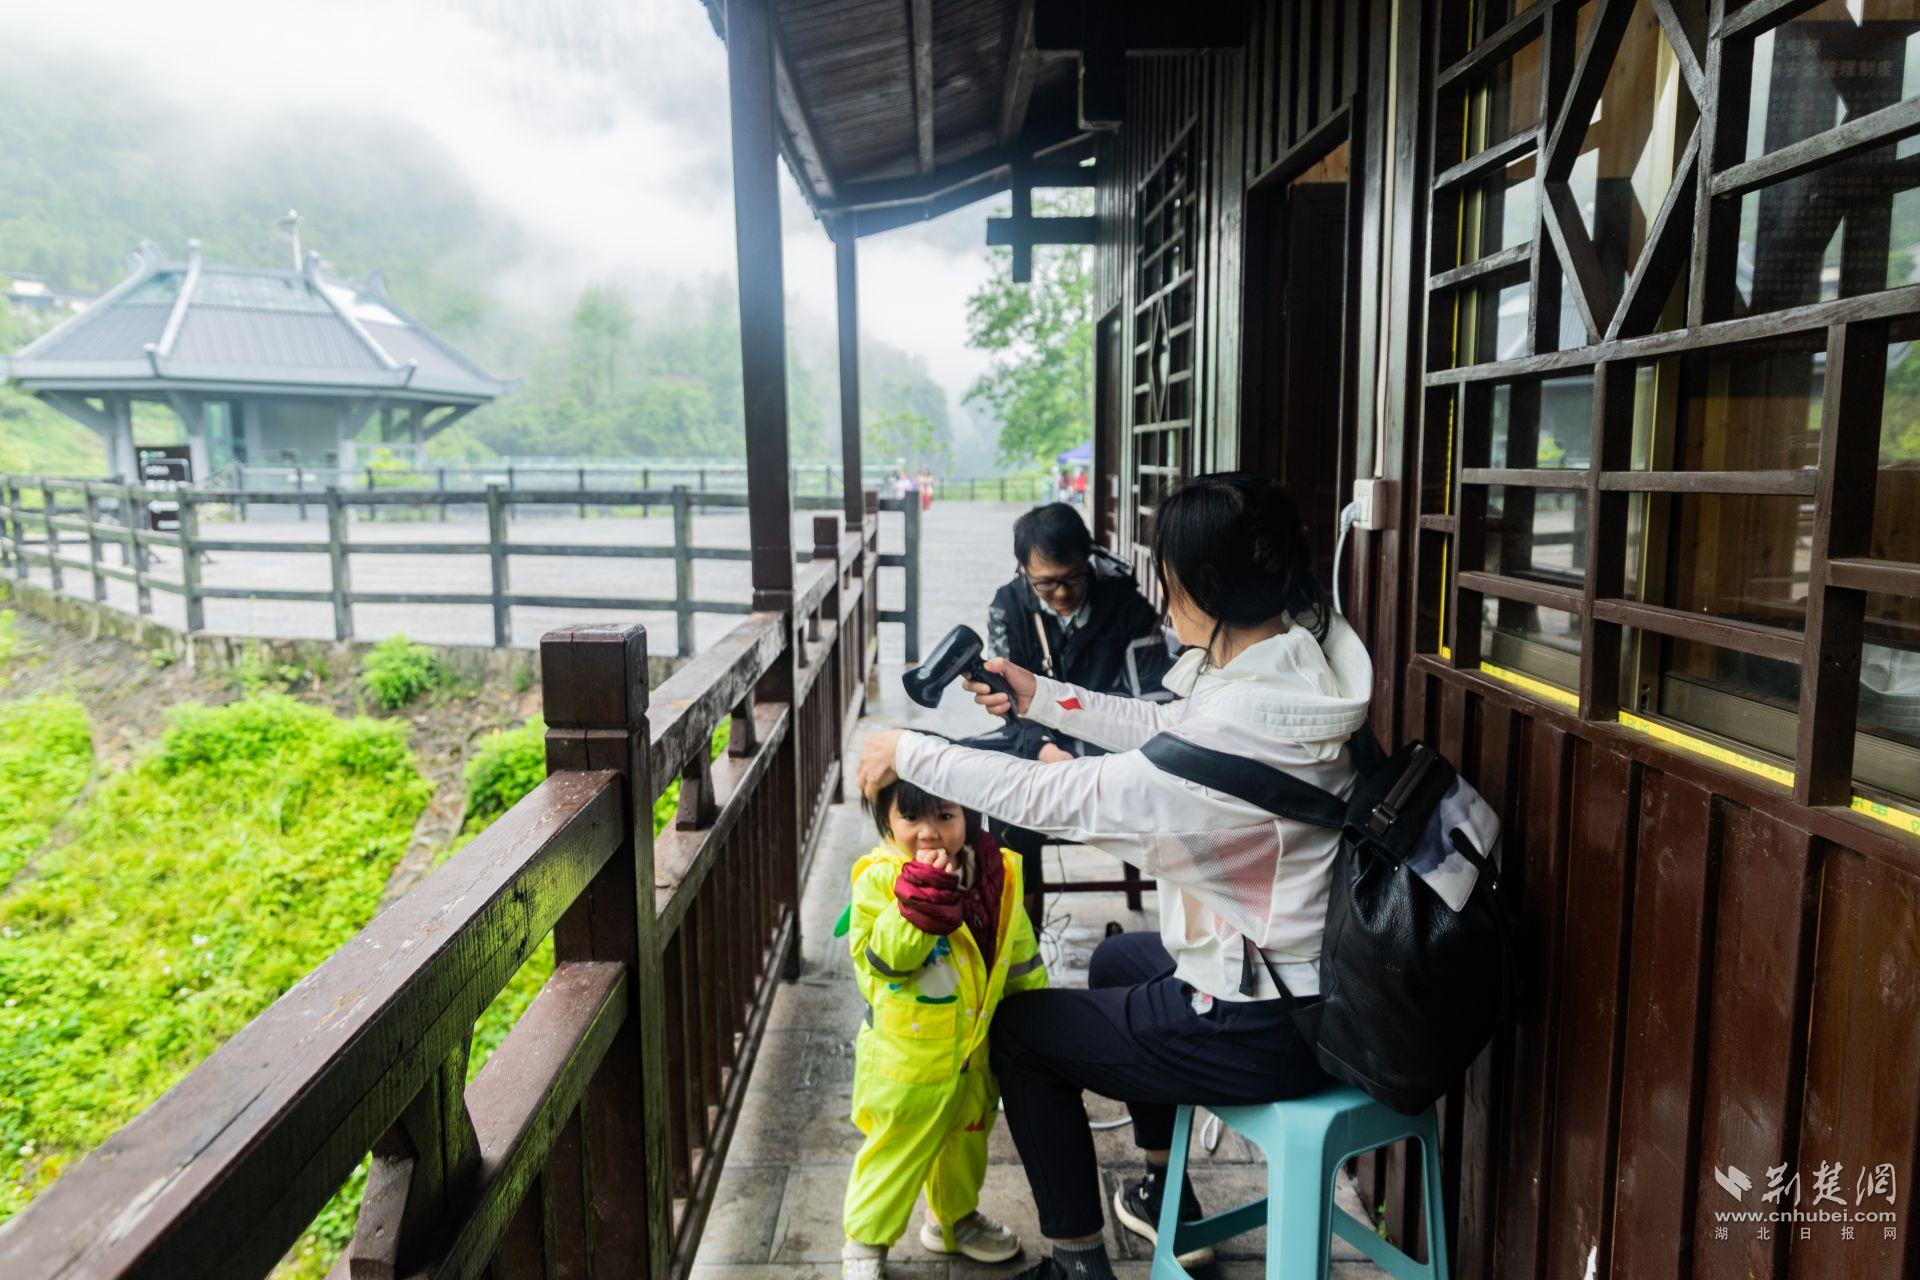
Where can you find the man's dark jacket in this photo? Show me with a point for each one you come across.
(1119, 623)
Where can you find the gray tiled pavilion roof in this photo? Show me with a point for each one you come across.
(194, 326)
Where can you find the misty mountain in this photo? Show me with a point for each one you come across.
(92, 162)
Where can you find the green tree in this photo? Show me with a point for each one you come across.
(1040, 336)
(911, 437)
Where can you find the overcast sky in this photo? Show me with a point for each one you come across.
(600, 128)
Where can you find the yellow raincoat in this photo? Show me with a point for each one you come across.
(922, 1092)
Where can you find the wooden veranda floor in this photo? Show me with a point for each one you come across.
(777, 1211)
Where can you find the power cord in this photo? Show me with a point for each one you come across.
(1349, 516)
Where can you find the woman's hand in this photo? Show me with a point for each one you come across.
(1018, 678)
(938, 859)
(876, 761)
(1052, 754)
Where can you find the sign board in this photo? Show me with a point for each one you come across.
(165, 464)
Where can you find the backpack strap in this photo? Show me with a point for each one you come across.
(1260, 785)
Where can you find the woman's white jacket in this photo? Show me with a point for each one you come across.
(1226, 869)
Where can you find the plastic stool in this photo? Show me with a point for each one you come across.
(1305, 1141)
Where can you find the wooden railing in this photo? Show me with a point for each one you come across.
(48, 523)
(592, 1141)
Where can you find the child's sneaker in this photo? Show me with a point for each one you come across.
(863, 1261)
(976, 1235)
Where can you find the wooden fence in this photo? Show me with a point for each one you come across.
(50, 523)
(592, 1141)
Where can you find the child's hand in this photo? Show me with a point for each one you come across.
(938, 859)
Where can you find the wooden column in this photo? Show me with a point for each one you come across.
(594, 681)
(763, 378)
(848, 293)
(763, 357)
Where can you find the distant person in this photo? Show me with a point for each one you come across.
(896, 485)
(1080, 488)
(926, 489)
(1073, 613)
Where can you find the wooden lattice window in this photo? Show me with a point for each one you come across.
(1162, 390)
(1670, 453)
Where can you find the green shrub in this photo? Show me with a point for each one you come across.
(510, 763)
(46, 753)
(200, 884)
(397, 671)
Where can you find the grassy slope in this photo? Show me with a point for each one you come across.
(197, 886)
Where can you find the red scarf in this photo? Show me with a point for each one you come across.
(933, 901)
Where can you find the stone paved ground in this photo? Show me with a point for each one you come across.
(777, 1213)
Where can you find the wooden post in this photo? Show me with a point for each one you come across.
(683, 569)
(911, 567)
(583, 488)
(338, 569)
(497, 563)
(299, 486)
(92, 508)
(510, 484)
(870, 594)
(763, 377)
(53, 534)
(370, 515)
(190, 562)
(763, 357)
(17, 523)
(441, 483)
(594, 680)
(134, 512)
(846, 277)
(826, 546)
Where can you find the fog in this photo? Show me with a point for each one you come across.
(598, 131)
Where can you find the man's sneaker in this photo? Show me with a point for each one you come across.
(976, 1235)
(862, 1261)
(1137, 1204)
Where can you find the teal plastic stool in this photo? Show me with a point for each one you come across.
(1305, 1141)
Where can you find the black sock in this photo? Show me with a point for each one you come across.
(1084, 1261)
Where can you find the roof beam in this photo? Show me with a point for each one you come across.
(178, 316)
(1018, 232)
(797, 123)
(1021, 62)
(1139, 26)
(920, 36)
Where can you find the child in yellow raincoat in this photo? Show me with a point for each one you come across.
(938, 933)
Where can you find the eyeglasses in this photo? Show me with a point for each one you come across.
(1053, 586)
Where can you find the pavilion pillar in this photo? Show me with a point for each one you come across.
(763, 354)
(121, 461)
(343, 442)
(193, 416)
(417, 417)
(847, 284)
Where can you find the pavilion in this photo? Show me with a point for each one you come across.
(262, 365)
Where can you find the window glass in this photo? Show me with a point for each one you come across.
(1638, 130)
(1543, 424)
(1752, 410)
(1850, 228)
(1831, 64)
(1490, 322)
(1536, 533)
(1739, 556)
(1506, 102)
(1498, 212)
(1544, 643)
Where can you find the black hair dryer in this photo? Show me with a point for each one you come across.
(959, 653)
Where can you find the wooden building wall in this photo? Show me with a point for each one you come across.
(1713, 971)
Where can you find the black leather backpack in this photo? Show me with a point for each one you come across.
(1415, 966)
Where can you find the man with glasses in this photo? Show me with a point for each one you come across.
(1072, 612)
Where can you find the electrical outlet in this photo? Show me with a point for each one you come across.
(1374, 500)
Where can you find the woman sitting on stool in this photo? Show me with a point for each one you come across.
(1269, 673)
